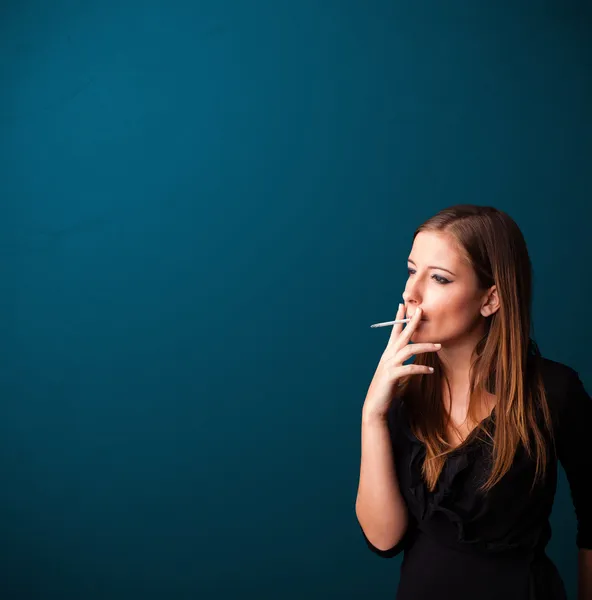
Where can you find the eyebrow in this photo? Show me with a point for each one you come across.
(434, 267)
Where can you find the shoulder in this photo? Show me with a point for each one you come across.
(557, 376)
(564, 389)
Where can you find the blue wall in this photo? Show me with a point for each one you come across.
(203, 207)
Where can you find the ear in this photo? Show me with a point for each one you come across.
(491, 303)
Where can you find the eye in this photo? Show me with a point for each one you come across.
(441, 280)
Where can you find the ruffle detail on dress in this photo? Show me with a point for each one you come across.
(450, 498)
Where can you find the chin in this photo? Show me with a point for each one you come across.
(423, 333)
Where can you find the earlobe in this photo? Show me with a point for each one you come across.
(490, 310)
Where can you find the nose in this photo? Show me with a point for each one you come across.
(410, 297)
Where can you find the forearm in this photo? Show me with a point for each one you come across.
(380, 508)
(584, 574)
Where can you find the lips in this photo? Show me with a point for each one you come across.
(411, 317)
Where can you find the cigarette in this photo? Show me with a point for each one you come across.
(390, 323)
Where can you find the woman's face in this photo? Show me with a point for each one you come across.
(446, 289)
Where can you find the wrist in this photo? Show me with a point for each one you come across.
(369, 418)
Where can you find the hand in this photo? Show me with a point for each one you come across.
(391, 367)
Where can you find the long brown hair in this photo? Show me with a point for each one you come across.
(494, 246)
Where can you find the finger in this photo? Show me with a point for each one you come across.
(413, 370)
(412, 349)
(397, 327)
(405, 336)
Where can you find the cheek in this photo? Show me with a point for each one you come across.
(452, 309)
(451, 318)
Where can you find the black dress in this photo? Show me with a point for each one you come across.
(461, 544)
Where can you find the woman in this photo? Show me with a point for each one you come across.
(460, 447)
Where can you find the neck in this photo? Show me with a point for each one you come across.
(456, 364)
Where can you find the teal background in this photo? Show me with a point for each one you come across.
(203, 207)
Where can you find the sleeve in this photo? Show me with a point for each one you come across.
(401, 545)
(575, 454)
